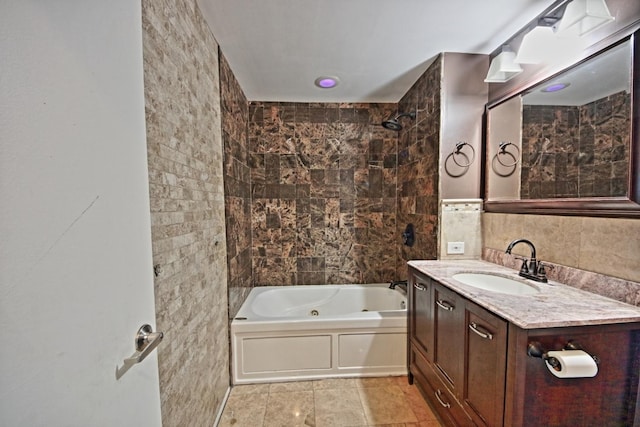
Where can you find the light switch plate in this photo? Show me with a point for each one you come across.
(455, 248)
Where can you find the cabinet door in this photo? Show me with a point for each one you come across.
(448, 315)
(421, 324)
(486, 339)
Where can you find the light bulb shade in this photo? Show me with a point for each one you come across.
(503, 68)
(536, 45)
(583, 16)
(542, 45)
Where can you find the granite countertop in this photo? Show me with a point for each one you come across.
(556, 305)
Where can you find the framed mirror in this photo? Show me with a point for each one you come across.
(570, 144)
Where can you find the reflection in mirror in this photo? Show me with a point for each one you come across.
(568, 137)
(576, 131)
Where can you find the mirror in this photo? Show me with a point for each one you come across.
(568, 145)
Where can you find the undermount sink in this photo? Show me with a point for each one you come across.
(495, 283)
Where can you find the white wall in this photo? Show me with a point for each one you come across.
(75, 252)
(505, 125)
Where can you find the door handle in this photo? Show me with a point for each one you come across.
(445, 305)
(438, 393)
(480, 331)
(145, 342)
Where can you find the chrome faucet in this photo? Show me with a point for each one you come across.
(532, 268)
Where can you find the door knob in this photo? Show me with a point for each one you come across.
(145, 342)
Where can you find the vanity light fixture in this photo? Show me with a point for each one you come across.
(583, 16)
(535, 45)
(326, 82)
(503, 67)
(541, 44)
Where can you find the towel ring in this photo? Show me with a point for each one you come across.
(459, 146)
(464, 168)
(503, 151)
(512, 165)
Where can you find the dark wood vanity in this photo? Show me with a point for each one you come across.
(472, 365)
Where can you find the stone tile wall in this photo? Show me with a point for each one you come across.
(417, 184)
(607, 246)
(237, 186)
(187, 210)
(571, 151)
(323, 183)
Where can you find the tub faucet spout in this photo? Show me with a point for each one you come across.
(401, 283)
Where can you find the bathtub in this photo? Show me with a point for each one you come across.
(286, 333)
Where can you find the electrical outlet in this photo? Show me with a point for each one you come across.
(455, 248)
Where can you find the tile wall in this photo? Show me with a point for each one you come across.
(323, 187)
(460, 223)
(327, 185)
(417, 182)
(608, 246)
(237, 186)
(184, 144)
(570, 151)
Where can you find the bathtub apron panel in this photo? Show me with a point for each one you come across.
(334, 331)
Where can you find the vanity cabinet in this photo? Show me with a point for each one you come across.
(458, 352)
(472, 366)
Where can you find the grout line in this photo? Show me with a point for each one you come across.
(266, 406)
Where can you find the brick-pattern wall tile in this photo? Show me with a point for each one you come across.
(187, 209)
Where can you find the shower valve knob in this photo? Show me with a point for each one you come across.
(408, 236)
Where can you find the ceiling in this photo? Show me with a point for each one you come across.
(377, 48)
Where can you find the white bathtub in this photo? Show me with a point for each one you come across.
(284, 333)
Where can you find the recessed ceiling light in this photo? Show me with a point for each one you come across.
(325, 82)
(555, 87)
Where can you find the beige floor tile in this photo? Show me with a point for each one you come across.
(402, 382)
(291, 386)
(387, 425)
(418, 405)
(386, 405)
(334, 383)
(244, 410)
(250, 388)
(375, 382)
(290, 409)
(430, 423)
(344, 402)
(420, 408)
(338, 408)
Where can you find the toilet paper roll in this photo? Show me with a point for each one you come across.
(572, 364)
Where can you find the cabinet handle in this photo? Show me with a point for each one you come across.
(480, 331)
(445, 305)
(420, 286)
(443, 403)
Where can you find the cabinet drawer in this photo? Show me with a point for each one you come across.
(437, 394)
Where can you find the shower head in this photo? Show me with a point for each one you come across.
(394, 124)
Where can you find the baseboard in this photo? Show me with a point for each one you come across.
(221, 409)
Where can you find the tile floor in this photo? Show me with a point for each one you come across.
(352, 402)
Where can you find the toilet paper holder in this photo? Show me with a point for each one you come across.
(535, 349)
